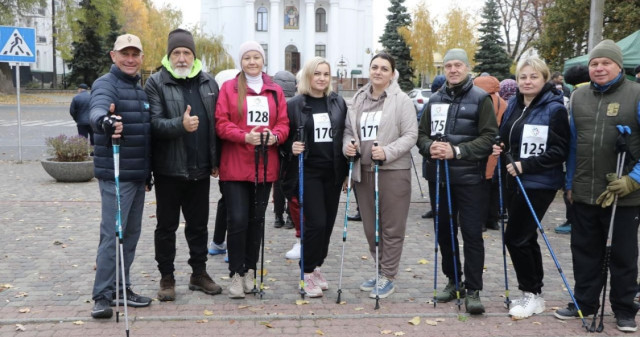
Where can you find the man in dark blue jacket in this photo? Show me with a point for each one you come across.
(120, 110)
(183, 101)
(79, 111)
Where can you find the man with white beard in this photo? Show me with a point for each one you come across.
(182, 101)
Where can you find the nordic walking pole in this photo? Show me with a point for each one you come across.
(256, 206)
(377, 206)
(346, 221)
(546, 240)
(453, 241)
(413, 163)
(507, 301)
(621, 148)
(301, 201)
(116, 175)
(436, 218)
(265, 161)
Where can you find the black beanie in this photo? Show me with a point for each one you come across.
(180, 38)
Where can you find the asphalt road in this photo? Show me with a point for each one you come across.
(37, 123)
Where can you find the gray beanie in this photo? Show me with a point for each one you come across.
(180, 38)
(608, 49)
(456, 54)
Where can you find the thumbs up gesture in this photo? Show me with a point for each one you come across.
(189, 122)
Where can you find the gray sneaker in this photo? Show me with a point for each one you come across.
(235, 288)
(626, 324)
(473, 304)
(368, 285)
(449, 292)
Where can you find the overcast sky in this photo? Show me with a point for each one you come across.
(191, 10)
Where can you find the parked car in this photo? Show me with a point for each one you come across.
(420, 97)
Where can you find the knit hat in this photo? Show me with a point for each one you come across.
(180, 38)
(456, 54)
(250, 46)
(508, 88)
(608, 49)
(438, 81)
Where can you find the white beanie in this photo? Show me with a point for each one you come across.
(250, 46)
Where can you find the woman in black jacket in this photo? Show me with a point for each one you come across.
(535, 130)
(317, 114)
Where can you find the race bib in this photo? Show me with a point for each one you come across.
(257, 111)
(439, 118)
(534, 140)
(322, 132)
(369, 123)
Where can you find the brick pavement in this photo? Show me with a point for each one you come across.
(50, 236)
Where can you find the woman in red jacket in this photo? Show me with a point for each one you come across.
(250, 109)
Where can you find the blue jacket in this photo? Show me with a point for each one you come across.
(540, 171)
(135, 146)
(79, 108)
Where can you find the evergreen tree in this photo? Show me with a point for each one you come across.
(395, 44)
(492, 57)
(90, 53)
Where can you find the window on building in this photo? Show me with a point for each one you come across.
(42, 39)
(321, 50)
(262, 22)
(321, 20)
(266, 53)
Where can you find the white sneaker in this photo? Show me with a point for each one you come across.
(319, 279)
(235, 288)
(310, 287)
(294, 253)
(247, 282)
(514, 302)
(531, 304)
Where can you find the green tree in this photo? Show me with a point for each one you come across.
(396, 45)
(565, 32)
(421, 39)
(211, 52)
(491, 57)
(10, 9)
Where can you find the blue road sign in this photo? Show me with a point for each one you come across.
(18, 44)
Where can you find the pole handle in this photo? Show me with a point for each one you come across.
(352, 158)
(512, 162)
(377, 162)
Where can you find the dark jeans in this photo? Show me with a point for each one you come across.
(521, 236)
(321, 198)
(279, 201)
(469, 204)
(86, 131)
(569, 208)
(245, 223)
(588, 241)
(192, 196)
(220, 230)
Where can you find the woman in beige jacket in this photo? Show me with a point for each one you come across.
(381, 112)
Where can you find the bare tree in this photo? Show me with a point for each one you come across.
(521, 21)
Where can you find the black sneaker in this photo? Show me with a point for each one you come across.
(355, 217)
(626, 324)
(101, 309)
(428, 215)
(133, 300)
(279, 222)
(289, 224)
(570, 312)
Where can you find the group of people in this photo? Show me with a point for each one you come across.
(182, 129)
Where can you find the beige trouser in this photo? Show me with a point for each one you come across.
(394, 191)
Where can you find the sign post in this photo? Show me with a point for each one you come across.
(18, 44)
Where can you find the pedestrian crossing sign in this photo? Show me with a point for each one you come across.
(18, 44)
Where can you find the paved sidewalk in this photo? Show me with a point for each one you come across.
(49, 241)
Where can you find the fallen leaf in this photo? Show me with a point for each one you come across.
(243, 306)
(462, 318)
(423, 261)
(386, 332)
(24, 310)
(78, 323)
(415, 321)
(439, 319)
(399, 333)
(262, 272)
(358, 309)
(202, 321)
(364, 257)
(343, 302)
(319, 332)
(21, 294)
(430, 322)
(301, 302)
(271, 279)
(267, 324)
(20, 327)
(224, 277)
(408, 269)
(208, 313)
(537, 323)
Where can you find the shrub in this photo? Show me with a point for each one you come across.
(68, 149)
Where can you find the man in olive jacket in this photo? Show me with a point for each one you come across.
(183, 100)
(592, 186)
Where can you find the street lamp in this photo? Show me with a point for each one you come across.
(341, 71)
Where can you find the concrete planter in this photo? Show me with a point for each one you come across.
(69, 171)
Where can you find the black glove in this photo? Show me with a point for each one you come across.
(108, 124)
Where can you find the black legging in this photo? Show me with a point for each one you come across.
(220, 229)
(244, 229)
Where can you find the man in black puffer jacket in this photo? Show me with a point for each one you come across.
(119, 110)
(183, 101)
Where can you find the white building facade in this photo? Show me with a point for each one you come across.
(293, 31)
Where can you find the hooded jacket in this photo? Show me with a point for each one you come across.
(491, 85)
